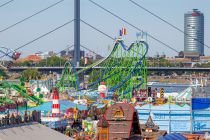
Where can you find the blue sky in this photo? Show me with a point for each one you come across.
(171, 10)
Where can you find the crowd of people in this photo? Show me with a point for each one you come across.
(16, 119)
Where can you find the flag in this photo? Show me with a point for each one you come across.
(123, 31)
(120, 32)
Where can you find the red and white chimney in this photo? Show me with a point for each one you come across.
(55, 105)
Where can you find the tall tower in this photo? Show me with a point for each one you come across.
(76, 32)
(55, 105)
(194, 29)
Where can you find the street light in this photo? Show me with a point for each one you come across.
(17, 106)
(25, 103)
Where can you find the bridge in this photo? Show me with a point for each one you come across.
(156, 69)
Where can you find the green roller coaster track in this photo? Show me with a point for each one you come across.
(69, 80)
(123, 70)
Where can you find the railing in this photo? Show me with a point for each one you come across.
(150, 68)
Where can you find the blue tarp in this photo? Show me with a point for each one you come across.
(64, 105)
(200, 103)
(173, 136)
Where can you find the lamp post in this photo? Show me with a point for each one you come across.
(17, 106)
(26, 107)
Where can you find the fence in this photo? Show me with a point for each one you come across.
(16, 119)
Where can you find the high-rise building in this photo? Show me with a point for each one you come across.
(63, 53)
(194, 33)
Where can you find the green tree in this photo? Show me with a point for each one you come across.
(3, 73)
(52, 61)
(31, 74)
(24, 64)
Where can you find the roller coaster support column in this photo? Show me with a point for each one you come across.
(76, 32)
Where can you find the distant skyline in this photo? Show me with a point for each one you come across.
(172, 11)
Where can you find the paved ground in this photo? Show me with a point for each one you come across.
(33, 131)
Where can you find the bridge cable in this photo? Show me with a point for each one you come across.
(4, 4)
(151, 36)
(97, 29)
(73, 46)
(45, 34)
(10, 26)
(42, 36)
(64, 49)
(89, 49)
(170, 24)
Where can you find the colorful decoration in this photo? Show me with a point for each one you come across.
(38, 90)
(133, 100)
(88, 126)
(75, 112)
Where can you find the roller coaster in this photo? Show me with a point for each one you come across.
(11, 54)
(22, 90)
(69, 79)
(124, 70)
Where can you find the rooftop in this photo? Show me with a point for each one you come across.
(33, 58)
(31, 131)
